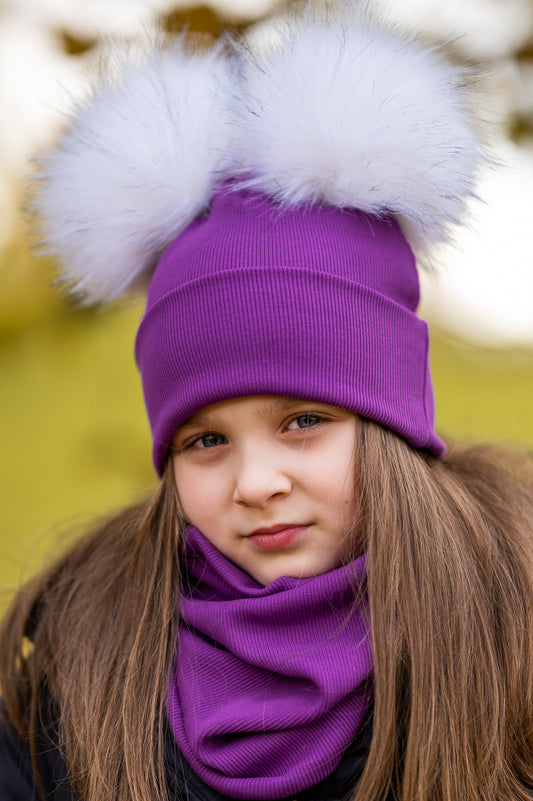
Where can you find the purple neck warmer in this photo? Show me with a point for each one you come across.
(271, 683)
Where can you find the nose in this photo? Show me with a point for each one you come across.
(260, 477)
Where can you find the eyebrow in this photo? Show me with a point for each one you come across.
(196, 420)
(276, 405)
(272, 406)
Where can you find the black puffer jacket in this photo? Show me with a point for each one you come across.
(17, 781)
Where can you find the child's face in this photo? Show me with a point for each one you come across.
(275, 464)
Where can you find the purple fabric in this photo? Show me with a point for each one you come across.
(272, 683)
(313, 302)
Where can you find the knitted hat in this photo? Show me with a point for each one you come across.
(278, 197)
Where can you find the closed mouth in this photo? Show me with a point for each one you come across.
(277, 528)
(278, 538)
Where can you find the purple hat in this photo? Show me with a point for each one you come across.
(315, 302)
(279, 198)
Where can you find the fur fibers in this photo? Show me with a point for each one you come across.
(351, 114)
(140, 162)
(343, 112)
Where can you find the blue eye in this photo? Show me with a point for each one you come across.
(305, 421)
(209, 441)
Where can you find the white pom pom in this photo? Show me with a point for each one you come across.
(348, 113)
(139, 164)
(342, 112)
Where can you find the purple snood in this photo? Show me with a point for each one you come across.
(271, 683)
(310, 302)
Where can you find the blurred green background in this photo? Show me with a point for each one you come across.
(74, 436)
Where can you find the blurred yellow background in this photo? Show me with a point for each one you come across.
(75, 440)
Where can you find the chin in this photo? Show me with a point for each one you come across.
(291, 570)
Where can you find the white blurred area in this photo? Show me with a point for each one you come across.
(485, 292)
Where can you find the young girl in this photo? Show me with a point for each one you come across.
(318, 603)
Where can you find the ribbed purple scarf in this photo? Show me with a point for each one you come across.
(271, 683)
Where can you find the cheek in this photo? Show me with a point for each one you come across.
(348, 497)
(343, 497)
(189, 491)
(335, 464)
(200, 494)
(349, 502)
(338, 481)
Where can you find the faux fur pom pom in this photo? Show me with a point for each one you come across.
(350, 114)
(343, 112)
(139, 164)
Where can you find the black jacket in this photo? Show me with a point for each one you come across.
(17, 781)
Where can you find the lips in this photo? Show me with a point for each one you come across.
(283, 535)
(275, 529)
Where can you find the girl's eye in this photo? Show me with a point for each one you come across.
(304, 421)
(208, 441)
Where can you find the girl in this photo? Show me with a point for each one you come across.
(318, 602)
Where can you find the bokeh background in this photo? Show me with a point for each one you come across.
(75, 443)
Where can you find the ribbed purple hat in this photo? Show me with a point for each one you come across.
(311, 302)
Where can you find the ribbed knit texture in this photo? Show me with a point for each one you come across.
(272, 683)
(312, 302)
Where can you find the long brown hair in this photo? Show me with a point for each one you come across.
(450, 560)
(450, 582)
(102, 628)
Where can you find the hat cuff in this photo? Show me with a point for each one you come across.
(285, 331)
